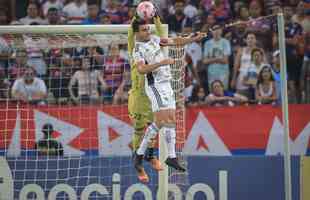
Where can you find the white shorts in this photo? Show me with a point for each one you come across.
(161, 96)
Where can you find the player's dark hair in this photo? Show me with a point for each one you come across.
(136, 24)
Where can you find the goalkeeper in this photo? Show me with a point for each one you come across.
(139, 106)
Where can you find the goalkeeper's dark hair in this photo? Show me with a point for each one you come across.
(136, 23)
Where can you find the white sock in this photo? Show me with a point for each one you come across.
(150, 133)
(170, 139)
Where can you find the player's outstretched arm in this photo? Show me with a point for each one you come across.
(180, 41)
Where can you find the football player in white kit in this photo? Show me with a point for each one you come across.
(155, 65)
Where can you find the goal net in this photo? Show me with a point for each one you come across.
(65, 131)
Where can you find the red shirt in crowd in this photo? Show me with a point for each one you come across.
(113, 71)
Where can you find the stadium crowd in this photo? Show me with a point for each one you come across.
(235, 64)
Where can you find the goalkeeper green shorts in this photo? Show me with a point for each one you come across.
(140, 113)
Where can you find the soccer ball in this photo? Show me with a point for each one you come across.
(146, 10)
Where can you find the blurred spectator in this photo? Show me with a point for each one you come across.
(292, 3)
(300, 15)
(9, 8)
(104, 18)
(242, 62)
(130, 15)
(219, 97)
(236, 5)
(123, 52)
(198, 97)
(5, 51)
(113, 10)
(17, 65)
(123, 8)
(306, 26)
(271, 5)
(260, 26)
(93, 11)
(48, 146)
(34, 47)
(294, 53)
(114, 72)
(190, 10)
(220, 8)
(237, 37)
(238, 31)
(188, 88)
(32, 15)
(58, 4)
(29, 88)
(210, 21)
(4, 87)
(121, 94)
(96, 54)
(104, 3)
(243, 14)
(255, 9)
(53, 16)
(251, 76)
(177, 20)
(216, 53)
(61, 67)
(275, 69)
(265, 92)
(193, 55)
(4, 20)
(76, 11)
(274, 8)
(305, 73)
(87, 80)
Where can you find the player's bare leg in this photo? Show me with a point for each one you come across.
(167, 120)
(164, 119)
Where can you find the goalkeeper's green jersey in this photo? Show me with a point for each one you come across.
(137, 79)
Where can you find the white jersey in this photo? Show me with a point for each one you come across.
(150, 53)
